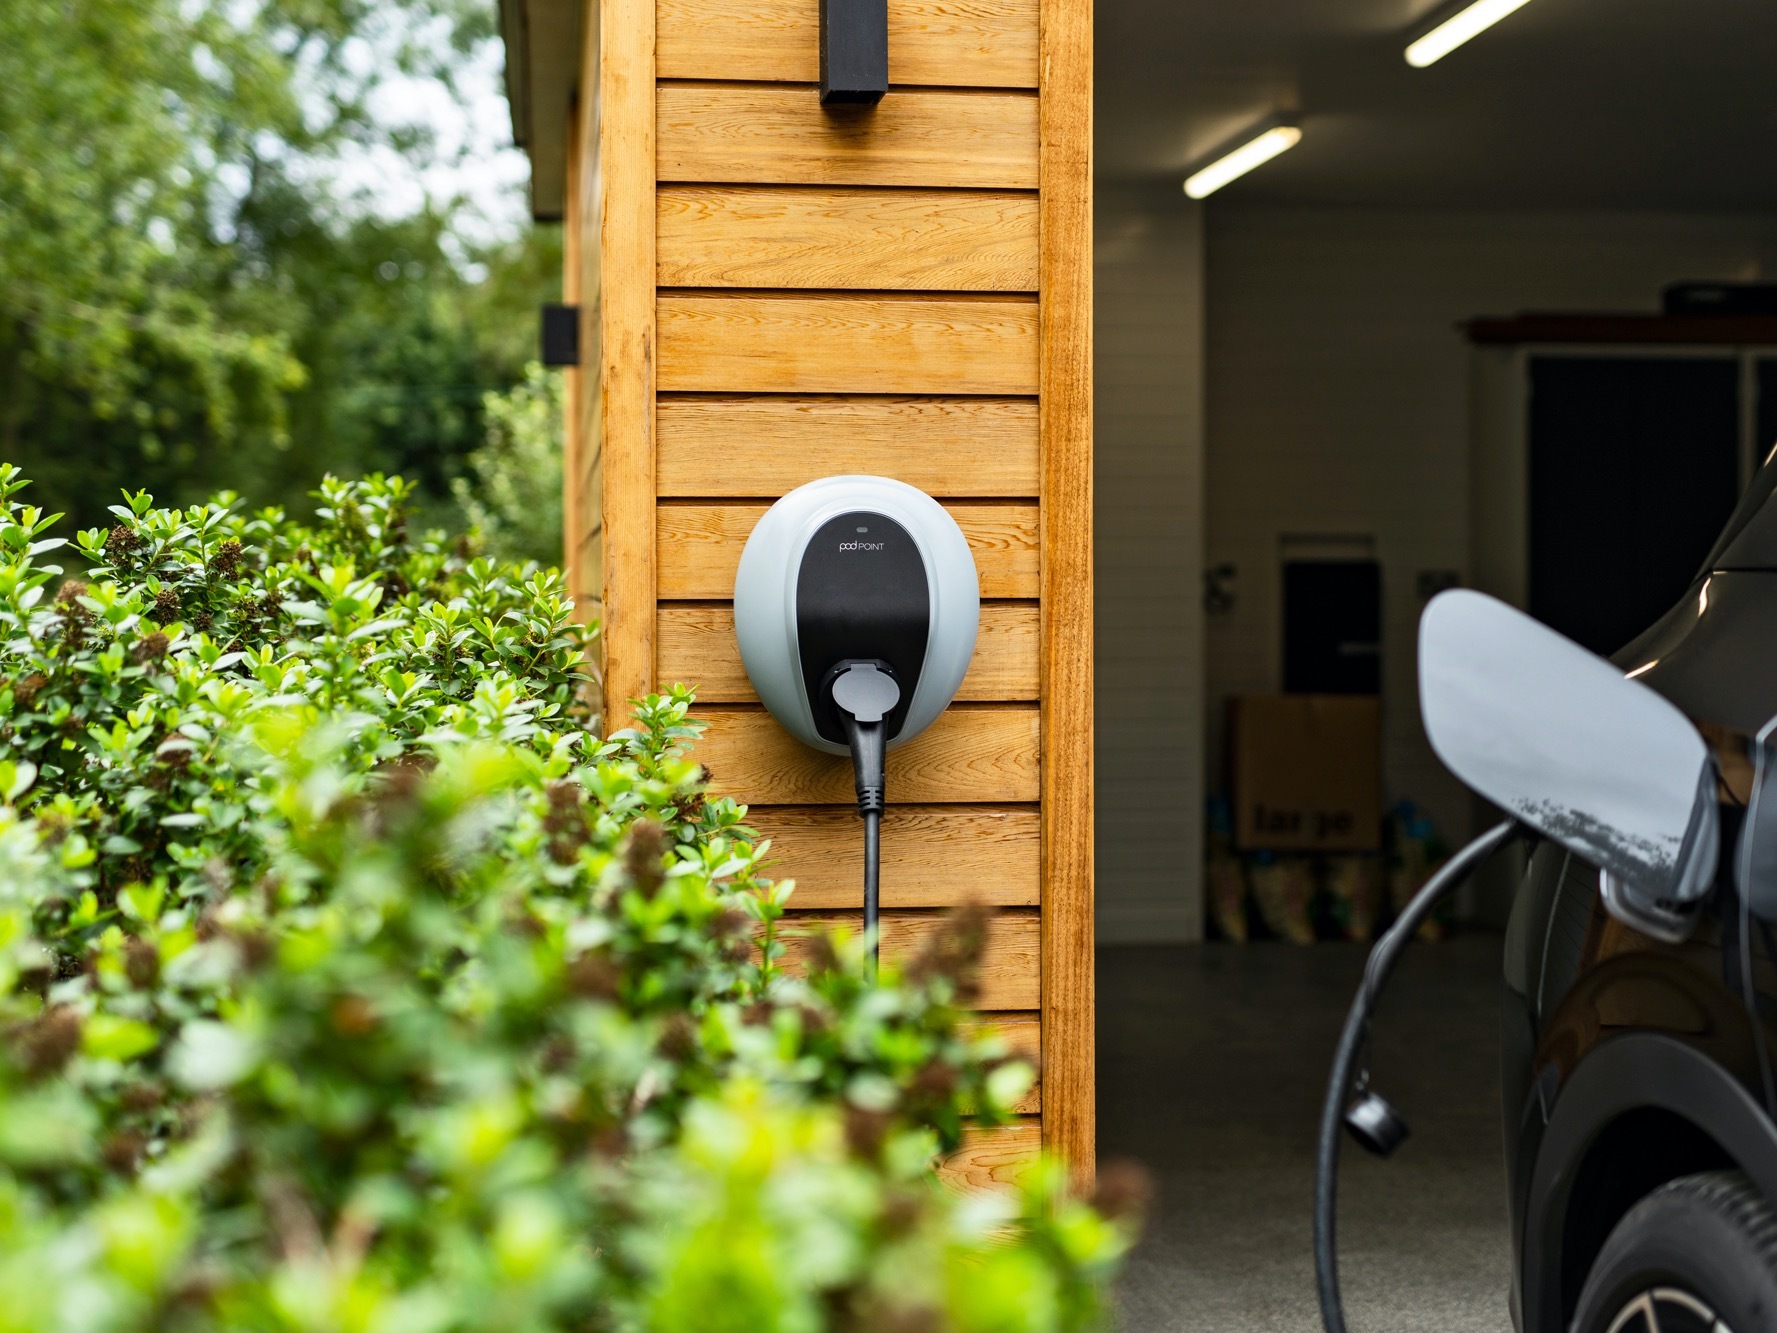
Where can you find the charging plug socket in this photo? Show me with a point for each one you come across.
(865, 693)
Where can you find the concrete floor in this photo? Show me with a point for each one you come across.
(1212, 1063)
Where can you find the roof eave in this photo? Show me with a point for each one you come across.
(542, 40)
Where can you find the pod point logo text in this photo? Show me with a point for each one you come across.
(861, 546)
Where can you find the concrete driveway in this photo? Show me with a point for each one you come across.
(1212, 1064)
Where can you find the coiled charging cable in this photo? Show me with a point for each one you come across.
(1372, 1121)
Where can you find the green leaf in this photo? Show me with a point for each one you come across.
(141, 902)
(211, 1055)
(1009, 1082)
(110, 1037)
(16, 777)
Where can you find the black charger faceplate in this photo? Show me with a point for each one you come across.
(861, 595)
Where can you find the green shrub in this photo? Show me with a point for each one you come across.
(349, 982)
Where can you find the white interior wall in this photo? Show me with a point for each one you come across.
(1338, 401)
(1148, 480)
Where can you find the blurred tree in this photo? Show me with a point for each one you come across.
(184, 301)
(398, 345)
(511, 485)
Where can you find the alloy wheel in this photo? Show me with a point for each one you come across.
(1666, 1310)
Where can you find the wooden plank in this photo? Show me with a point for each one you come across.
(694, 644)
(700, 546)
(736, 343)
(944, 446)
(582, 482)
(993, 1159)
(1010, 976)
(1069, 1127)
(973, 43)
(1024, 1037)
(923, 240)
(588, 541)
(1023, 1033)
(573, 450)
(758, 134)
(972, 753)
(627, 343)
(1021, 1030)
(932, 855)
(588, 588)
(590, 555)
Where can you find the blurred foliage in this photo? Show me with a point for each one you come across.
(512, 487)
(185, 304)
(349, 981)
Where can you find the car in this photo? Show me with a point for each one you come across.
(1641, 1148)
(1639, 1016)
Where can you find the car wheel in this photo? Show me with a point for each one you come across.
(1696, 1256)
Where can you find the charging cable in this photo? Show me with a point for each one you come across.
(864, 697)
(1371, 1120)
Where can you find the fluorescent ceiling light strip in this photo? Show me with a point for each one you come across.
(1458, 28)
(1254, 152)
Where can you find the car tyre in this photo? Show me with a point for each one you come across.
(1698, 1255)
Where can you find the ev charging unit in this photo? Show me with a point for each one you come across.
(856, 606)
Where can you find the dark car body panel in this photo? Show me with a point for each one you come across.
(1580, 982)
(1627, 1061)
(1715, 653)
(1625, 1076)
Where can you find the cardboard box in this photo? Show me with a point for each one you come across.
(1307, 772)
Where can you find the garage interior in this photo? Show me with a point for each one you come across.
(1428, 336)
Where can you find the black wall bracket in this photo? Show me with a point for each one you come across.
(560, 330)
(854, 52)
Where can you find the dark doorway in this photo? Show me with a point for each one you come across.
(1332, 627)
(1634, 468)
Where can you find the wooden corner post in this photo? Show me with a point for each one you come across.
(1065, 395)
(627, 348)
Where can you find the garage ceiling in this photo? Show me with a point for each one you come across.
(1637, 104)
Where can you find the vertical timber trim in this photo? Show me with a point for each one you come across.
(573, 447)
(1065, 459)
(626, 367)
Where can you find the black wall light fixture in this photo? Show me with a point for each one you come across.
(560, 329)
(854, 52)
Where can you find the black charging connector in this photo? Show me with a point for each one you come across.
(1370, 1119)
(865, 693)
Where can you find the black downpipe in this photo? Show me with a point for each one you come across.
(1353, 1042)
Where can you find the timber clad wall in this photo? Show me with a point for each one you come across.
(778, 293)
